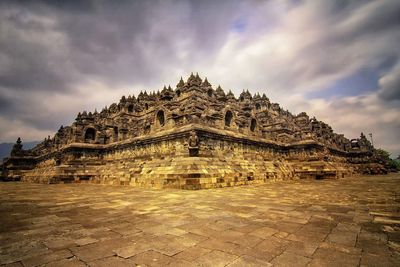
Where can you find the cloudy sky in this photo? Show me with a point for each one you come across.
(336, 60)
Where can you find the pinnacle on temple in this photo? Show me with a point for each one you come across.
(206, 83)
(245, 95)
(219, 91)
(264, 97)
(248, 94)
(230, 95)
(194, 80)
(142, 96)
(180, 84)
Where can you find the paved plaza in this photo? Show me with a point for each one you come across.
(346, 222)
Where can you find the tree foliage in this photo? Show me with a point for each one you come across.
(389, 163)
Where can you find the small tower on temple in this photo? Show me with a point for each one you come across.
(17, 148)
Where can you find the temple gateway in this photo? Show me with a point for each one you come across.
(191, 137)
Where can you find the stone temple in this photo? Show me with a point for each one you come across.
(192, 137)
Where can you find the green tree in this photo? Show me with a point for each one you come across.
(386, 160)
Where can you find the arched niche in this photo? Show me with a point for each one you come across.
(147, 129)
(253, 125)
(130, 108)
(115, 134)
(178, 93)
(161, 118)
(90, 135)
(258, 106)
(354, 143)
(210, 92)
(228, 118)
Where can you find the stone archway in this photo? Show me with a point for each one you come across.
(161, 118)
(90, 135)
(253, 125)
(228, 118)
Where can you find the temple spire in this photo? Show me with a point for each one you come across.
(181, 83)
(206, 83)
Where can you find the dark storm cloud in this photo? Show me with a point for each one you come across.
(30, 108)
(76, 6)
(5, 105)
(27, 62)
(130, 40)
(378, 17)
(390, 85)
(107, 39)
(51, 47)
(89, 42)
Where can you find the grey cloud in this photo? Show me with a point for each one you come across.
(137, 40)
(54, 46)
(390, 85)
(357, 32)
(376, 16)
(32, 110)
(77, 6)
(29, 63)
(5, 105)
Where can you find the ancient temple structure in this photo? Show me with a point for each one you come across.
(191, 137)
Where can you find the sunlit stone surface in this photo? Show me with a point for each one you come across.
(344, 222)
(194, 136)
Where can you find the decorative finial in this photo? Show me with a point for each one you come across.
(206, 83)
(181, 83)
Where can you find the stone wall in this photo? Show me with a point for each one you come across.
(44, 172)
(163, 161)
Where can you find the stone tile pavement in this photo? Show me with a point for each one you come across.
(347, 222)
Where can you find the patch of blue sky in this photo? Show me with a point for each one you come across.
(362, 82)
(239, 25)
(356, 84)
